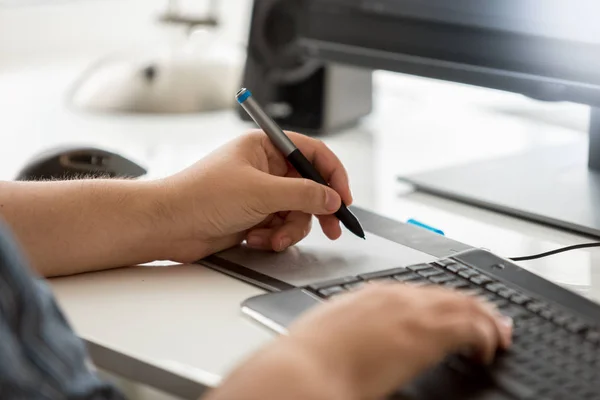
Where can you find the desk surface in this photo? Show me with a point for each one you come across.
(186, 318)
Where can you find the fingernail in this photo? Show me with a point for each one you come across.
(507, 321)
(255, 241)
(284, 243)
(331, 202)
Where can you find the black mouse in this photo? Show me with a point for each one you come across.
(79, 162)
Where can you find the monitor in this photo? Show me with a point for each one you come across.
(545, 49)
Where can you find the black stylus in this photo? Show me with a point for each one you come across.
(293, 154)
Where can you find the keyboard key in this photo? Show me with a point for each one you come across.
(546, 313)
(593, 336)
(456, 284)
(331, 291)
(561, 319)
(456, 268)
(355, 285)
(411, 276)
(473, 291)
(382, 279)
(576, 326)
(588, 357)
(506, 293)
(589, 374)
(419, 283)
(535, 307)
(499, 302)
(426, 273)
(489, 297)
(514, 312)
(439, 279)
(445, 262)
(334, 282)
(378, 274)
(480, 280)
(468, 273)
(589, 394)
(519, 299)
(512, 386)
(572, 349)
(495, 287)
(418, 267)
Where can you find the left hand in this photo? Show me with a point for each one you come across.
(247, 190)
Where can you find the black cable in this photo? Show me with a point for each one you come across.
(557, 251)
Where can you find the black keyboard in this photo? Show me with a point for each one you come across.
(555, 352)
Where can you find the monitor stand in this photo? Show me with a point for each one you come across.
(557, 186)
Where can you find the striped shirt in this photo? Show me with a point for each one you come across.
(40, 355)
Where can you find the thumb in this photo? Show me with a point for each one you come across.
(299, 194)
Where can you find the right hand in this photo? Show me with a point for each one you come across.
(381, 337)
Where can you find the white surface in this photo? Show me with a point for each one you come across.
(187, 318)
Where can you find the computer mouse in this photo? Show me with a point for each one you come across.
(79, 162)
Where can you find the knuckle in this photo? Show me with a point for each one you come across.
(465, 304)
(449, 303)
(471, 325)
(459, 330)
(318, 193)
(471, 303)
(260, 198)
(299, 229)
(253, 135)
(321, 145)
(383, 295)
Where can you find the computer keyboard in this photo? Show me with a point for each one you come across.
(555, 352)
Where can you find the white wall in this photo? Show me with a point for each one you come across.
(53, 30)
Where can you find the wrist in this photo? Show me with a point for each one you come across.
(177, 216)
(284, 370)
(145, 219)
(324, 379)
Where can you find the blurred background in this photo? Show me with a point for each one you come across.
(154, 81)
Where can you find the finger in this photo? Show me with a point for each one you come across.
(269, 221)
(475, 339)
(473, 328)
(490, 314)
(295, 228)
(260, 239)
(260, 236)
(504, 326)
(330, 226)
(326, 162)
(276, 194)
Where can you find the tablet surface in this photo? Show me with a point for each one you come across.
(318, 258)
(388, 244)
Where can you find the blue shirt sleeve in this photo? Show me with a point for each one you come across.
(40, 355)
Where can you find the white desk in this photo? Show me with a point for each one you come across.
(186, 318)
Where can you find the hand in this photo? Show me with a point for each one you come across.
(379, 338)
(247, 191)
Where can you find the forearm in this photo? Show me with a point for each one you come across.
(82, 225)
(282, 371)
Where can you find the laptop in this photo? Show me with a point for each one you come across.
(556, 344)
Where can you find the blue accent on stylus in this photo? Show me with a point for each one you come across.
(243, 96)
(425, 226)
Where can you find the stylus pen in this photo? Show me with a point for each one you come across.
(293, 154)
